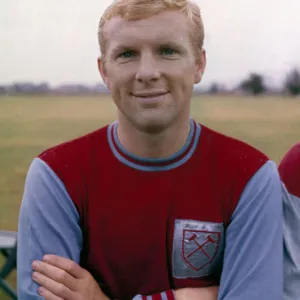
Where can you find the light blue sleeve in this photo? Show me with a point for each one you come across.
(253, 258)
(291, 210)
(48, 224)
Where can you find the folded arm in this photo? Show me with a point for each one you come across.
(49, 224)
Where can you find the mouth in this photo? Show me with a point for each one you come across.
(150, 96)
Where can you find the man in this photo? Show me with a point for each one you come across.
(289, 169)
(155, 201)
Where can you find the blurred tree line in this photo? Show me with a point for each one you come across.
(254, 84)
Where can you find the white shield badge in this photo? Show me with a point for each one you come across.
(197, 248)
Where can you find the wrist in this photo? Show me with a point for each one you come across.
(166, 295)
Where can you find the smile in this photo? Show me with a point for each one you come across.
(150, 97)
(150, 94)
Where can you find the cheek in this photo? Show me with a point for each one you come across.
(183, 89)
(183, 79)
(120, 90)
(183, 70)
(114, 83)
(120, 79)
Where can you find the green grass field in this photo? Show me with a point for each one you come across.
(30, 125)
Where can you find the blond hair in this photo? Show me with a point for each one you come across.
(138, 9)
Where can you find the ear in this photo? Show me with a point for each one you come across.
(200, 66)
(102, 71)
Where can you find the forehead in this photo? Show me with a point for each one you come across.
(166, 27)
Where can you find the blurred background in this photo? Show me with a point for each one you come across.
(50, 89)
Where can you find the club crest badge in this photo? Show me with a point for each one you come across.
(197, 248)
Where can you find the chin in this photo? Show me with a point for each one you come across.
(152, 124)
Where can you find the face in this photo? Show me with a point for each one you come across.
(150, 68)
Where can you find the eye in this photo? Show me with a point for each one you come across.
(127, 54)
(167, 51)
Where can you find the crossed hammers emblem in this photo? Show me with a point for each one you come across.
(209, 240)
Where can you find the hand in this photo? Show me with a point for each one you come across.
(206, 293)
(62, 279)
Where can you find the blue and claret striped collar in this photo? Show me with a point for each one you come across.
(154, 164)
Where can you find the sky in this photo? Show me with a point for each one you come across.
(56, 40)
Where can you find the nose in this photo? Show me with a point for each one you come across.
(147, 69)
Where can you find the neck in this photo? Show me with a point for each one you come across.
(153, 145)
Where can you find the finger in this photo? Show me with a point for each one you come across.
(66, 264)
(55, 273)
(52, 286)
(47, 295)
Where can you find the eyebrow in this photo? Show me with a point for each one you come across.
(120, 48)
(173, 44)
